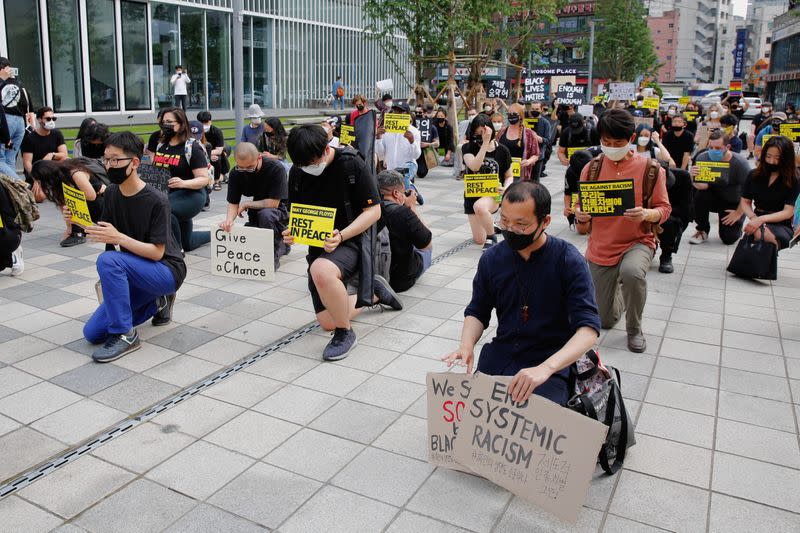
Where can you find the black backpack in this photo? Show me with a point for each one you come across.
(96, 168)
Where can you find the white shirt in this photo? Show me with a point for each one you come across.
(396, 151)
(179, 82)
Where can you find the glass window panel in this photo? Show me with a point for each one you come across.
(247, 59)
(262, 62)
(25, 47)
(218, 46)
(102, 55)
(164, 35)
(193, 56)
(66, 64)
(134, 55)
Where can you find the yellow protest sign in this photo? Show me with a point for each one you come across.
(347, 134)
(479, 185)
(574, 197)
(607, 198)
(791, 130)
(311, 224)
(571, 151)
(531, 122)
(651, 102)
(75, 200)
(683, 100)
(598, 99)
(690, 115)
(396, 122)
(516, 166)
(766, 137)
(711, 171)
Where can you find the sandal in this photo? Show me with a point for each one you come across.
(217, 186)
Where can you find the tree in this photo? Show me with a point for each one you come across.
(526, 18)
(623, 46)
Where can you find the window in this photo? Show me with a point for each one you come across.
(134, 55)
(262, 61)
(193, 44)
(164, 35)
(672, 25)
(769, 40)
(669, 41)
(218, 48)
(66, 65)
(102, 55)
(25, 47)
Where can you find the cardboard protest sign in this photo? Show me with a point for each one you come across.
(424, 126)
(448, 394)
(586, 110)
(535, 89)
(570, 94)
(607, 198)
(516, 167)
(396, 122)
(311, 224)
(690, 115)
(735, 88)
(479, 185)
(156, 177)
(791, 130)
(683, 100)
(347, 134)
(243, 253)
(555, 81)
(531, 123)
(712, 171)
(540, 451)
(647, 121)
(571, 151)
(651, 102)
(497, 89)
(75, 200)
(622, 90)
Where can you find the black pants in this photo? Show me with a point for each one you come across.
(706, 202)
(670, 238)
(276, 219)
(181, 100)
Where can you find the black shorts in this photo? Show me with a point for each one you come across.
(346, 257)
(469, 206)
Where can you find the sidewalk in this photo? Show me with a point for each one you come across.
(295, 444)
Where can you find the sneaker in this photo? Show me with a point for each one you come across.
(73, 240)
(340, 345)
(207, 206)
(385, 293)
(637, 343)
(544, 174)
(699, 237)
(116, 346)
(17, 264)
(665, 266)
(164, 314)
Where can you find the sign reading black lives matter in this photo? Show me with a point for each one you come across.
(607, 198)
(497, 89)
(243, 253)
(157, 177)
(535, 89)
(570, 94)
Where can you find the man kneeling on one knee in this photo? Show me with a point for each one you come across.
(265, 181)
(140, 279)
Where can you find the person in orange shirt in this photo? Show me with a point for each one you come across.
(621, 248)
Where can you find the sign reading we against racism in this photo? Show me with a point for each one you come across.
(396, 122)
(712, 171)
(538, 450)
(607, 198)
(75, 200)
(447, 395)
(478, 185)
(311, 224)
(243, 253)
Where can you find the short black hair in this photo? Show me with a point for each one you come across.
(4, 62)
(521, 191)
(203, 116)
(386, 96)
(42, 110)
(128, 142)
(616, 124)
(729, 120)
(178, 67)
(389, 180)
(306, 144)
(481, 120)
(96, 132)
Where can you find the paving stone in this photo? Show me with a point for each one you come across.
(36, 401)
(757, 411)
(183, 370)
(753, 361)
(670, 460)
(523, 516)
(23, 449)
(682, 396)
(407, 436)
(301, 454)
(259, 333)
(19, 515)
(625, 361)
(8, 334)
(198, 415)
(752, 384)
(674, 424)
(36, 321)
(617, 524)
(411, 368)
(754, 343)
(243, 389)
(408, 522)
(388, 393)
(23, 347)
(368, 358)
(253, 434)
(148, 356)
(356, 421)
(224, 351)
(78, 422)
(183, 338)
(282, 366)
(14, 380)
(332, 379)
(52, 363)
(690, 351)
(207, 519)
(687, 372)
(335, 510)
(141, 506)
(7, 425)
(266, 495)
(91, 378)
(769, 445)
(135, 393)
(143, 447)
(296, 404)
(766, 483)
(732, 514)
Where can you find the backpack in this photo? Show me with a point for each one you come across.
(187, 153)
(23, 201)
(340, 91)
(96, 168)
(382, 249)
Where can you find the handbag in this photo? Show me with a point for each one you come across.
(431, 157)
(755, 259)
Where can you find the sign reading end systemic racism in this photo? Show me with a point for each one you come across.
(75, 200)
(311, 224)
(448, 394)
(607, 198)
(396, 122)
(243, 253)
(479, 185)
(712, 171)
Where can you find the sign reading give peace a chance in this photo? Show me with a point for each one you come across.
(243, 253)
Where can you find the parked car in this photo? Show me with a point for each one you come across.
(755, 106)
(667, 100)
(714, 97)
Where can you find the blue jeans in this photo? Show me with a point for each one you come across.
(131, 285)
(8, 156)
(338, 101)
(185, 204)
(427, 258)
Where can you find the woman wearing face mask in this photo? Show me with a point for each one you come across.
(446, 137)
(773, 187)
(577, 135)
(76, 148)
(186, 160)
(648, 144)
(521, 143)
(483, 155)
(711, 123)
(252, 132)
(272, 144)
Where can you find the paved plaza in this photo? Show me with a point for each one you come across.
(294, 444)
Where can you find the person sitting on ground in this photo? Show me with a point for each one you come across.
(648, 144)
(621, 248)
(45, 142)
(679, 143)
(10, 234)
(319, 177)
(252, 131)
(77, 147)
(400, 150)
(541, 291)
(773, 187)
(572, 176)
(409, 239)
(218, 155)
(730, 125)
(722, 196)
(446, 137)
(361, 108)
(679, 189)
(273, 142)
(264, 180)
(773, 127)
(140, 279)
(576, 135)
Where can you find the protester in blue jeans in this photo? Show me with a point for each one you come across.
(139, 280)
(185, 158)
(18, 109)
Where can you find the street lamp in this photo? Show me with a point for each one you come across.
(592, 22)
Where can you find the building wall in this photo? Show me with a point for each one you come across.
(665, 33)
(783, 80)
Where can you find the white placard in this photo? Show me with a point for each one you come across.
(586, 110)
(622, 91)
(243, 253)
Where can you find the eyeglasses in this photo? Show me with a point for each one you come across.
(49, 119)
(168, 123)
(248, 170)
(514, 228)
(113, 161)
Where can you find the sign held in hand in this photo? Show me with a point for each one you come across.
(607, 198)
(347, 134)
(712, 171)
(311, 224)
(243, 253)
(479, 185)
(396, 122)
(75, 200)
(448, 397)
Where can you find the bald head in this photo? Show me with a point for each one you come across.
(246, 154)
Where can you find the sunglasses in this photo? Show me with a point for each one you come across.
(49, 119)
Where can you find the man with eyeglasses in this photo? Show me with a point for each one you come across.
(542, 293)
(43, 143)
(264, 180)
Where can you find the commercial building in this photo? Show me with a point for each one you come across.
(664, 30)
(783, 80)
(759, 26)
(114, 58)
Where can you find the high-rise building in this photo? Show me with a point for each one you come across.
(664, 30)
(783, 80)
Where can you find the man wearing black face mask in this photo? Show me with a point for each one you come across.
(542, 292)
(140, 280)
(577, 135)
(679, 143)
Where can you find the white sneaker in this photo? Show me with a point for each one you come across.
(699, 237)
(17, 264)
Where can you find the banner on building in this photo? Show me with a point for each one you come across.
(739, 53)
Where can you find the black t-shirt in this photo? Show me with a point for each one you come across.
(760, 119)
(498, 161)
(174, 159)
(584, 137)
(678, 145)
(268, 182)
(152, 141)
(770, 198)
(41, 145)
(145, 216)
(406, 232)
(515, 146)
(330, 188)
(215, 137)
(15, 98)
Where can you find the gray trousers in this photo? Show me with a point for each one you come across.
(623, 287)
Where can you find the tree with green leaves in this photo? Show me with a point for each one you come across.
(623, 46)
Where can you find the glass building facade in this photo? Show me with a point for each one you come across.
(117, 56)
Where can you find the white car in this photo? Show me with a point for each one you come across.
(755, 106)
(714, 97)
(668, 100)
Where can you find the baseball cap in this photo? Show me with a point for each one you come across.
(196, 127)
(780, 115)
(402, 106)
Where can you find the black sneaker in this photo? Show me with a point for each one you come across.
(665, 266)
(340, 345)
(116, 346)
(385, 293)
(164, 314)
(73, 240)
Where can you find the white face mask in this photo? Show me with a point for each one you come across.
(315, 170)
(255, 121)
(49, 125)
(614, 153)
(497, 125)
(714, 114)
(206, 127)
(388, 103)
(671, 112)
(643, 141)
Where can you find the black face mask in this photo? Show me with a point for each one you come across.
(168, 131)
(118, 174)
(771, 167)
(776, 124)
(441, 121)
(577, 126)
(360, 107)
(677, 129)
(93, 151)
(513, 118)
(535, 114)
(518, 241)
